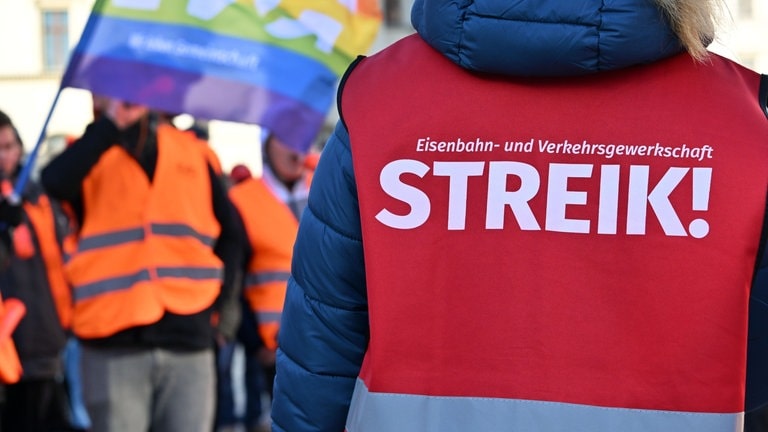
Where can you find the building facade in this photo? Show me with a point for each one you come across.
(743, 33)
(36, 37)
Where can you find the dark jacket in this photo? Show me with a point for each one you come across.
(63, 179)
(39, 337)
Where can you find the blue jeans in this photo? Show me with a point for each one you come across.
(238, 404)
(78, 414)
(227, 412)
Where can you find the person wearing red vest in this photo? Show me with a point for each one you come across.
(32, 273)
(536, 216)
(155, 261)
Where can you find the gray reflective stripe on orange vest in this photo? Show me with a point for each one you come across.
(115, 238)
(181, 230)
(86, 291)
(107, 239)
(388, 412)
(92, 289)
(258, 278)
(268, 317)
(197, 273)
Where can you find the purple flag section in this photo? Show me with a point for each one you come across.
(180, 68)
(207, 97)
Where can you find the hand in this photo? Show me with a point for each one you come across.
(124, 114)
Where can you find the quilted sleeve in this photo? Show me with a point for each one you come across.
(324, 330)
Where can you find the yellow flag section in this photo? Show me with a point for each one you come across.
(11, 312)
(352, 24)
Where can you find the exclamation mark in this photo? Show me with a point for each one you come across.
(702, 180)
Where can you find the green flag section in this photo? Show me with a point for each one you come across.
(267, 62)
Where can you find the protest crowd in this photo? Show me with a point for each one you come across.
(136, 267)
(539, 288)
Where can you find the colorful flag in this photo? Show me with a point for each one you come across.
(274, 63)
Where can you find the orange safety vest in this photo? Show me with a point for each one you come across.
(42, 218)
(271, 229)
(555, 254)
(145, 248)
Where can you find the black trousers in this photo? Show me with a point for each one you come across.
(35, 406)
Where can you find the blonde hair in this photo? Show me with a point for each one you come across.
(694, 22)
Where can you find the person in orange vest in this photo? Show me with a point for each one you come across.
(155, 268)
(536, 216)
(32, 273)
(269, 207)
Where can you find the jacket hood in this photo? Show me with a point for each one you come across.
(545, 37)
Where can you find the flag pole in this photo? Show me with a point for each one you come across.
(26, 170)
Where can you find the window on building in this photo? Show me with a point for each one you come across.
(745, 8)
(55, 39)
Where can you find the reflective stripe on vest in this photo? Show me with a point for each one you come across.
(180, 230)
(116, 238)
(262, 277)
(269, 317)
(98, 241)
(86, 291)
(388, 412)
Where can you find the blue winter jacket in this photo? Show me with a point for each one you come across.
(324, 331)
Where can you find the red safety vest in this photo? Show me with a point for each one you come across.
(555, 254)
(145, 248)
